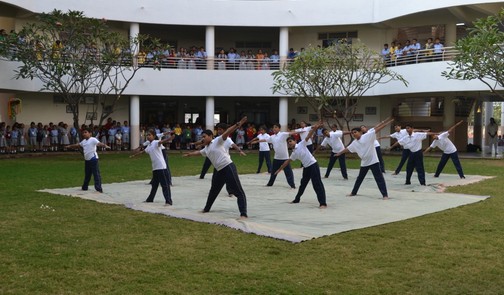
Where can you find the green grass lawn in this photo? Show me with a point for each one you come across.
(75, 246)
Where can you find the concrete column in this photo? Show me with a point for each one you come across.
(283, 112)
(134, 121)
(488, 114)
(209, 113)
(502, 118)
(448, 113)
(134, 46)
(478, 124)
(450, 34)
(284, 45)
(210, 47)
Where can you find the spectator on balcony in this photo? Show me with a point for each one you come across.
(250, 60)
(201, 57)
(393, 48)
(191, 60)
(232, 57)
(56, 49)
(415, 48)
(242, 61)
(429, 49)
(259, 57)
(275, 60)
(182, 56)
(221, 60)
(265, 62)
(407, 51)
(399, 54)
(292, 54)
(438, 49)
(385, 54)
(172, 59)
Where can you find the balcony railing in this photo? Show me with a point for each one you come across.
(195, 63)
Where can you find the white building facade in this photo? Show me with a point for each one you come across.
(226, 93)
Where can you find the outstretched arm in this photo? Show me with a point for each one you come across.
(450, 130)
(283, 166)
(342, 152)
(312, 130)
(233, 128)
(427, 150)
(383, 123)
(139, 150)
(238, 149)
(192, 154)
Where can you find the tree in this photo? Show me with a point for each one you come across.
(333, 79)
(481, 54)
(75, 57)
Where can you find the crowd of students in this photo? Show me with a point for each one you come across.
(412, 52)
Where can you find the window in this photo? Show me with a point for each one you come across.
(330, 38)
(190, 117)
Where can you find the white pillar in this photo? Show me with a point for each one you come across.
(134, 121)
(450, 34)
(134, 31)
(448, 113)
(209, 113)
(283, 112)
(488, 115)
(210, 47)
(502, 118)
(283, 48)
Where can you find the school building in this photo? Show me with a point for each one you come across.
(220, 90)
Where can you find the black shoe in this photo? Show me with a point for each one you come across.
(407, 183)
(100, 191)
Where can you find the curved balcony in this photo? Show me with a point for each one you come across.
(251, 77)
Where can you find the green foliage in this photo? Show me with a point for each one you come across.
(481, 54)
(333, 79)
(75, 56)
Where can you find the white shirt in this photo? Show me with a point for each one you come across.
(302, 153)
(444, 143)
(228, 143)
(217, 153)
(279, 142)
(154, 150)
(304, 134)
(413, 142)
(334, 140)
(376, 142)
(364, 147)
(263, 146)
(89, 146)
(400, 134)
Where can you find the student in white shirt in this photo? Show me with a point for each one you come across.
(311, 170)
(364, 146)
(303, 133)
(333, 140)
(160, 175)
(376, 143)
(264, 149)
(91, 166)
(449, 151)
(413, 142)
(279, 142)
(226, 173)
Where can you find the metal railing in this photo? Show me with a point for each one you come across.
(247, 63)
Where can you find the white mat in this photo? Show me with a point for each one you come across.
(271, 214)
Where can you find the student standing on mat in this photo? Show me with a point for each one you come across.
(311, 169)
(364, 146)
(160, 175)
(413, 142)
(91, 166)
(333, 139)
(226, 173)
(264, 149)
(449, 151)
(279, 142)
